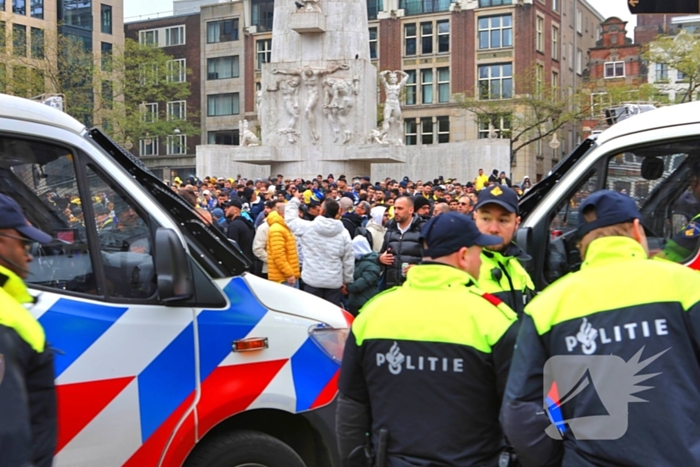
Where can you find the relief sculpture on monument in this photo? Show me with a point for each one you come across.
(289, 88)
(339, 98)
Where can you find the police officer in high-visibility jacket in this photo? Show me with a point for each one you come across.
(682, 245)
(610, 354)
(502, 274)
(425, 363)
(27, 391)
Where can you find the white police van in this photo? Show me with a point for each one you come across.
(167, 353)
(654, 157)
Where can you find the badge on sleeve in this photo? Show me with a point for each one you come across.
(692, 230)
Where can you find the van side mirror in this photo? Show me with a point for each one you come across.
(175, 281)
(652, 168)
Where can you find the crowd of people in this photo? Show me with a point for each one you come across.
(342, 240)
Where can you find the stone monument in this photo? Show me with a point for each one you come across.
(318, 99)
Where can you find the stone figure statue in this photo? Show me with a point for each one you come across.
(309, 5)
(258, 105)
(246, 137)
(289, 87)
(391, 126)
(309, 76)
(339, 98)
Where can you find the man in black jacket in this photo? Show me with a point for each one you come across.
(402, 247)
(240, 229)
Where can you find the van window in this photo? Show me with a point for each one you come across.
(125, 242)
(42, 179)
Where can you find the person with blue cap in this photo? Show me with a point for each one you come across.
(591, 336)
(27, 391)
(429, 385)
(502, 273)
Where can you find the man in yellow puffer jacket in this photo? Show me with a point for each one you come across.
(282, 256)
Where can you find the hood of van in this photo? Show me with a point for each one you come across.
(284, 299)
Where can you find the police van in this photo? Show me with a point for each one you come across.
(653, 157)
(167, 352)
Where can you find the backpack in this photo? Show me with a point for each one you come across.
(362, 231)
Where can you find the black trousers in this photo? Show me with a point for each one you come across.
(331, 295)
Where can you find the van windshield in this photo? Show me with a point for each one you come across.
(210, 247)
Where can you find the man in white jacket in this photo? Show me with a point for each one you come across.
(328, 258)
(260, 240)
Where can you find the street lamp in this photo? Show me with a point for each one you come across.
(554, 144)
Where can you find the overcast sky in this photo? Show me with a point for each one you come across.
(153, 8)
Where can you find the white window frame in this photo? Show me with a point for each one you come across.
(483, 127)
(168, 35)
(442, 83)
(539, 78)
(146, 109)
(539, 34)
(143, 146)
(663, 68)
(144, 78)
(614, 66)
(555, 82)
(579, 61)
(414, 37)
(489, 79)
(555, 42)
(430, 36)
(579, 21)
(181, 105)
(176, 145)
(265, 52)
(442, 34)
(412, 82)
(407, 134)
(177, 75)
(145, 33)
(424, 84)
(490, 28)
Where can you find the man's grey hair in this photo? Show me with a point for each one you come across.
(345, 204)
(365, 207)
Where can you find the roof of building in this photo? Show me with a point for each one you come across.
(672, 115)
(32, 111)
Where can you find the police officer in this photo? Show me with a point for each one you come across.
(428, 388)
(682, 245)
(27, 392)
(620, 320)
(502, 274)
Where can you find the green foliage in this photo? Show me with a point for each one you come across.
(680, 52)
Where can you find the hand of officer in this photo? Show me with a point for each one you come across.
(387, 259)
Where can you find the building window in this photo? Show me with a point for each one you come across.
(539, 79)
(222, 67)
(426, 38)
(148, 146)
(149, 37)
(373, 8)
(175, 36)
(222, 104)
(229, 137)
(106, 19)
(680, 76)
(539, 35)
(149, 112)
(495, 32)
(177, 145)
(263, 14)
(579, 61)
(555, 43)
(417, 7)
(443, 31)
(555, 5)
(488, 3)
(443, 128)
(107, 94)
(177, 70)
(411, 87)
(411, 131)
(19, 7)
(555, 82)
(373, 39)
(443, 85)
(501, 126)
(426, 130)
(177, 110)
(76, 13)
(264, 48)
(496, 81)
(614, 69)
(426, 86)
(106, 56)
(3, 36)
(222, 31)
(571, 56)
(579, 21)
(37, 9)
(409, 34)
(661, 72)
(19, 40)
(37, 43)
